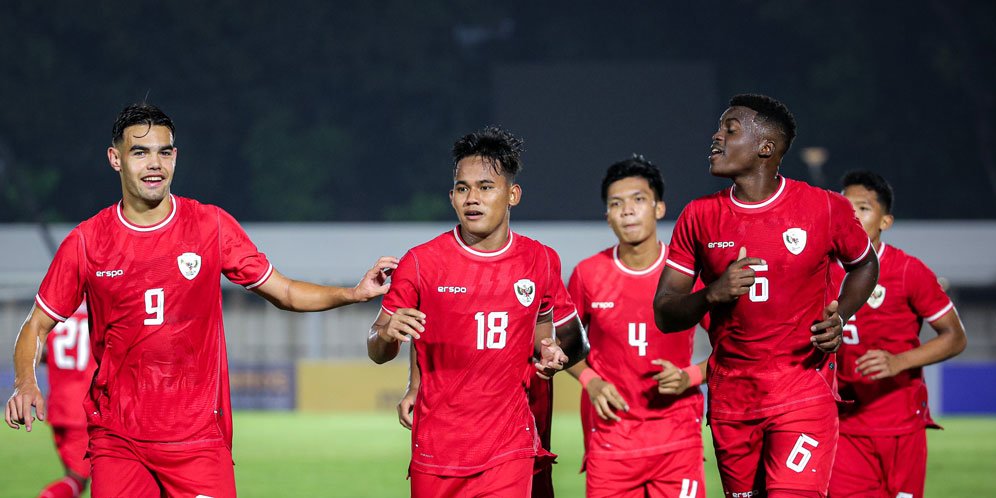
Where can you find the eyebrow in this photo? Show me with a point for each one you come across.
(479, 182)
(633, 193)
(727, 120)
(145, 148)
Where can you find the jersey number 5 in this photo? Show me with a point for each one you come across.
(155, 301)
(494, 337)
(851, 331)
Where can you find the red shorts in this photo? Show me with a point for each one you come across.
(791, 451)
(123, 469)
(880, 466)
(677, 474)
(71, 444)
(512, 479)
(541, 404)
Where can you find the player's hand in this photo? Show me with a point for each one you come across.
(552, 359)
(877, 364)
(405, 408)
(671, 380)
(735, 281)
(606, 399)
(828, 334)
(18, 409)
(374, 281)
(405, 324)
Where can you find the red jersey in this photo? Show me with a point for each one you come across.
(154, 296)
(475, 355)
(763, 362)
(70, 370)
(907, 294)
(615, 304)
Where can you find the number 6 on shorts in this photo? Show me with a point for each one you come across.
(801, 453)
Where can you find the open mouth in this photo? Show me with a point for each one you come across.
(715, 150)
(153, 180)
(473, 215)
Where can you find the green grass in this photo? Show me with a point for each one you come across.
(366, 455)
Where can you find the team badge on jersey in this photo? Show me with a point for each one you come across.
(877, 297)
(525, 290)
(795, 240)
(190, 264)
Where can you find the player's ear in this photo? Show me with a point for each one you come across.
(886, 222)
(660, 209)
(514, 195)
(114, 157)
(766, 149)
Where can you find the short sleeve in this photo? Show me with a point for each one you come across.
(847, 237)
(575, 287)
(62, 289)
(557, 298)
(404, 290)
(241, 262)
(927, 298)
(681, 250)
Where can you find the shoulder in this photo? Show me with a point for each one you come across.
(596, 261)
(908, 262)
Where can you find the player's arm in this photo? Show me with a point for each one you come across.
(27, 350)
(858, 284)
(407, 403)
(602, 393)
(296, 295)
(677, 308)
(950, 341)
(559, 347)
(390, 330)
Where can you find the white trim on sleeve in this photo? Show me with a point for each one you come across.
(682, 269)
(385, 310)
(939, 314)
(263, 279)
(565, 319)
(868, 248)
(48, 311)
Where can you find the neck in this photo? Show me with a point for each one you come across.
(756, 186)
(486, 242)
(876, 242)
(641, 255)
(143, 213)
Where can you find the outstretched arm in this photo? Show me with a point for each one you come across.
(296, 295)
(27, 351)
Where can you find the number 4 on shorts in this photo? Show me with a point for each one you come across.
(800, 455)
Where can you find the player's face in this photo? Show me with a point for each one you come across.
(735, 144)
(482, 196)
(868, 210)
(145, 158)
(631, 210)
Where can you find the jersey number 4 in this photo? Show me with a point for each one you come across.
(638, 337)
(493, 334)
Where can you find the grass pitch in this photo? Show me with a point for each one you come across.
(366, 455)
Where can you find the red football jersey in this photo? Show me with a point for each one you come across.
(763, 362)
(70, 370)
(154, 296)
(615, 304)
(907, 294)
(475, 356)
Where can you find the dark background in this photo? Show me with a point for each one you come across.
(346, 111)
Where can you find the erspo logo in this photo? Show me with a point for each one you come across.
(452, 290)
(109, 273)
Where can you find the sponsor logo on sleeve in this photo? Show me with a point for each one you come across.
(190, 265)
(525, 291)
(795, 240)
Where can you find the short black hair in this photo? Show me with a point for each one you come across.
(769, 112)
(874, 182)
(143, 113)
(497, 146)
(638, 166)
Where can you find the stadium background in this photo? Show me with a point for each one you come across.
(325, 128)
